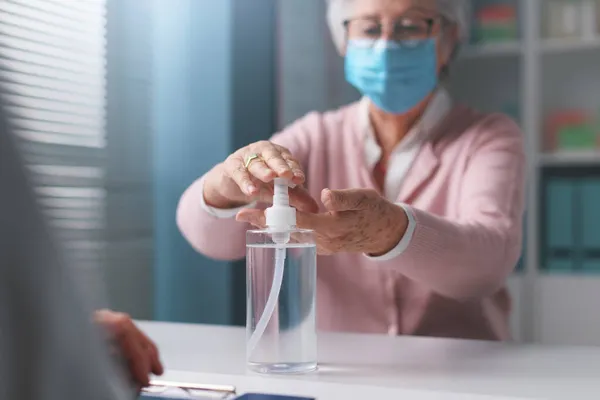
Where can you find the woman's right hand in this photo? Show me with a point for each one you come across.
(230, 184)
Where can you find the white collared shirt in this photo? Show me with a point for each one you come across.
(406, 151)
(402, 157)
(400, 161)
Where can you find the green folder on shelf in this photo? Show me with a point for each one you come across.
(577, 137)
(494, 33)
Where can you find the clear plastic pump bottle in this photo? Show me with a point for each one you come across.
(281, 263)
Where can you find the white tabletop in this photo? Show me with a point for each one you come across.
(370, 366)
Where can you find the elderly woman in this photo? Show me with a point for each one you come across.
(420, 200)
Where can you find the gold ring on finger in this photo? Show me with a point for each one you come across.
(251, 158)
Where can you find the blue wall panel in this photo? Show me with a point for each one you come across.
(192, 111)
(214, 74)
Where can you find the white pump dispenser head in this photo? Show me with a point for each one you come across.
(280, 217)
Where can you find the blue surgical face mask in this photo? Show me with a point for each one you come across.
(395, 77)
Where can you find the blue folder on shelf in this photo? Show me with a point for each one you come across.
(590, 224)
(560, 203)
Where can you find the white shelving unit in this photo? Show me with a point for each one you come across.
(492, 50)
(541, 75)
(564, 46)
(565, 304)
(570, 158)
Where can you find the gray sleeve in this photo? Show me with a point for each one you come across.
(49, 347)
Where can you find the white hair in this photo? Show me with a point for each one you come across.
(455, 11)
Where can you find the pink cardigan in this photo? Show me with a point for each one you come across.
(466, 191)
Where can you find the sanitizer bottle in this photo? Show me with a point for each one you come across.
(281, 265)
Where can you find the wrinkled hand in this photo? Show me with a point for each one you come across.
(230, 184)
(133, 345)
(356, 221)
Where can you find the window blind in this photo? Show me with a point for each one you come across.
(53, 71)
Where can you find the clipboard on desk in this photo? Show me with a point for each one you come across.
(169, 390)
(165, 390)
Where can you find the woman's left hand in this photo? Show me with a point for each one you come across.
(356, 221)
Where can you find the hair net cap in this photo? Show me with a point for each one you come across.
(456, 11)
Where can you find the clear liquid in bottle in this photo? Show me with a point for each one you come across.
(289, 341)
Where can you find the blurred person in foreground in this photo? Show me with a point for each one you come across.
(420, 200)
(49, 346)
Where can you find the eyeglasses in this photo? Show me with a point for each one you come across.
(405, 31)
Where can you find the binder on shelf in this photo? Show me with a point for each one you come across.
(590, 224)
(591, 265)
(559, 216)
(559, 264)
